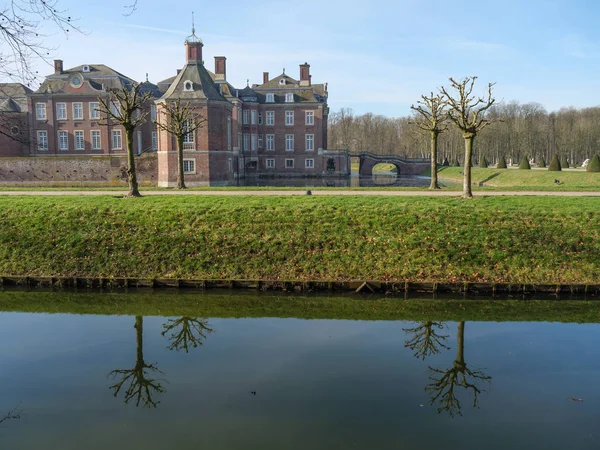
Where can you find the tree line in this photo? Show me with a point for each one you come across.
(526, 130)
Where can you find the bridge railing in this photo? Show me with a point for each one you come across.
(389, 157)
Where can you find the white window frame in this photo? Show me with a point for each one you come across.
(61, 107)
(270, 142)
(118, 135)
(289, 118)
(94, 110)
(270, 163)
(309, 118)
(270, 97)
(270, 118)
(309, 141)
(309, 163)
(246, 117)
(153, 113)
(229, 165)
(79, 138)
(246, 142)
(289, 97)
(62, 134)
(188, 138)
(253, 117)
(287, 161)
(80, 110)
(189, 166)
(93, 140)
(40, 108)
(260, 141)
(254, 142)
(289, 142)
(154, 141)
(42, 138)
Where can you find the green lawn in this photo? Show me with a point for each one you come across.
(494, 239)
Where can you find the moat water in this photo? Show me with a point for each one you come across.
(382, 180)
(124, 375)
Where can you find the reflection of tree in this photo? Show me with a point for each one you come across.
(140, 387)
(444, 382)
(425, 340)
(186, 331)
(10, 415)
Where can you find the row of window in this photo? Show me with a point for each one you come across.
(61, 111)
(253, 117)
(309, 163)
(289, 97)
(254, 142)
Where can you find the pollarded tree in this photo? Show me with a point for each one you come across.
(125, 107)
(431, 118)
(185, 332)
(468, 113)
(425, 340)
(182, 121)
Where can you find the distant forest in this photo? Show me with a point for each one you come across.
(527, 130)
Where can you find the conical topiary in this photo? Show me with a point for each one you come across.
(594, 164)
(524, 165)
(542, 163)
(501, 163)
(554, 164)
(564, 163)
(446, 163)
(483, 162)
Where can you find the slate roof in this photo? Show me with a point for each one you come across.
(204, 87)
(315, 93)
(13, 97)
(101, 77)
(153, 89)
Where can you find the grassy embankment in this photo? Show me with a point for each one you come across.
(532, 240)
(305, 307)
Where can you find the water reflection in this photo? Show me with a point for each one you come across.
(376, 180)
(140, 383)
(445, 383)
(186, 331)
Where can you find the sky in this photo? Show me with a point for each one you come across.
(378, 56)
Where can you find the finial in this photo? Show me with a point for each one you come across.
(146, 77)
(193, 26)
(247, 82)
(284, 70)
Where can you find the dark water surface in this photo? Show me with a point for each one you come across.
(135, 382)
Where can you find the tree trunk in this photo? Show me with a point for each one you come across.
(139, 335)
(460, 343)
(180, 180)
(131, 175)
(467, 192)
(434, 176)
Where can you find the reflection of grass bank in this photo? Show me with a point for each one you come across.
(247, 304)
(528, 240)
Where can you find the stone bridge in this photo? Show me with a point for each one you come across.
(404, 166)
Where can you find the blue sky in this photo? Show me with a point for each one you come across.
(377, 56)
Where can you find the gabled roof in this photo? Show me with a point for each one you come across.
(99, 76)
(203, 86)
(13, 97)
(8, 105)
(275, 83)
(153, 89)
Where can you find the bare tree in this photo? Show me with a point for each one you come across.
(125, 106)
(432, 118)
(182, 121)
(140, 385)
(186, 331)
(444, 382)
(467, 112)
(425, 340)
(10, 415)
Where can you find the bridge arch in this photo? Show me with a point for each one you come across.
(404, 166)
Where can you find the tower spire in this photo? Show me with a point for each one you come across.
(193, 26)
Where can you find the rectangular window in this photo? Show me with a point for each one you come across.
(96, 142)
(270, 118)
(63, 140)
(40, 111)
(289, 142)
(289, 163)
(253, 117)
(310, 118)
(289, 98)
(254, 142)
(260, 118)
(310, 142)
(246, 116)
(154, 141)
(270, 142)
(270, 163)
(289, 118)
(94, 110)
(270, 98)
(115, 110)
(229, 165)
(189, 166)
(61, 111)
(77, 111)
(153, 113)
(117, 143)
(309, 163)
(79, 140)
(189, 137)
(246, 142)
(260, 141)
(42, 140)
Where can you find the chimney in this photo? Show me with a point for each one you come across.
(193, 52)
(265, 77)
(220, 68)
(305, 74)
(58, 66)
